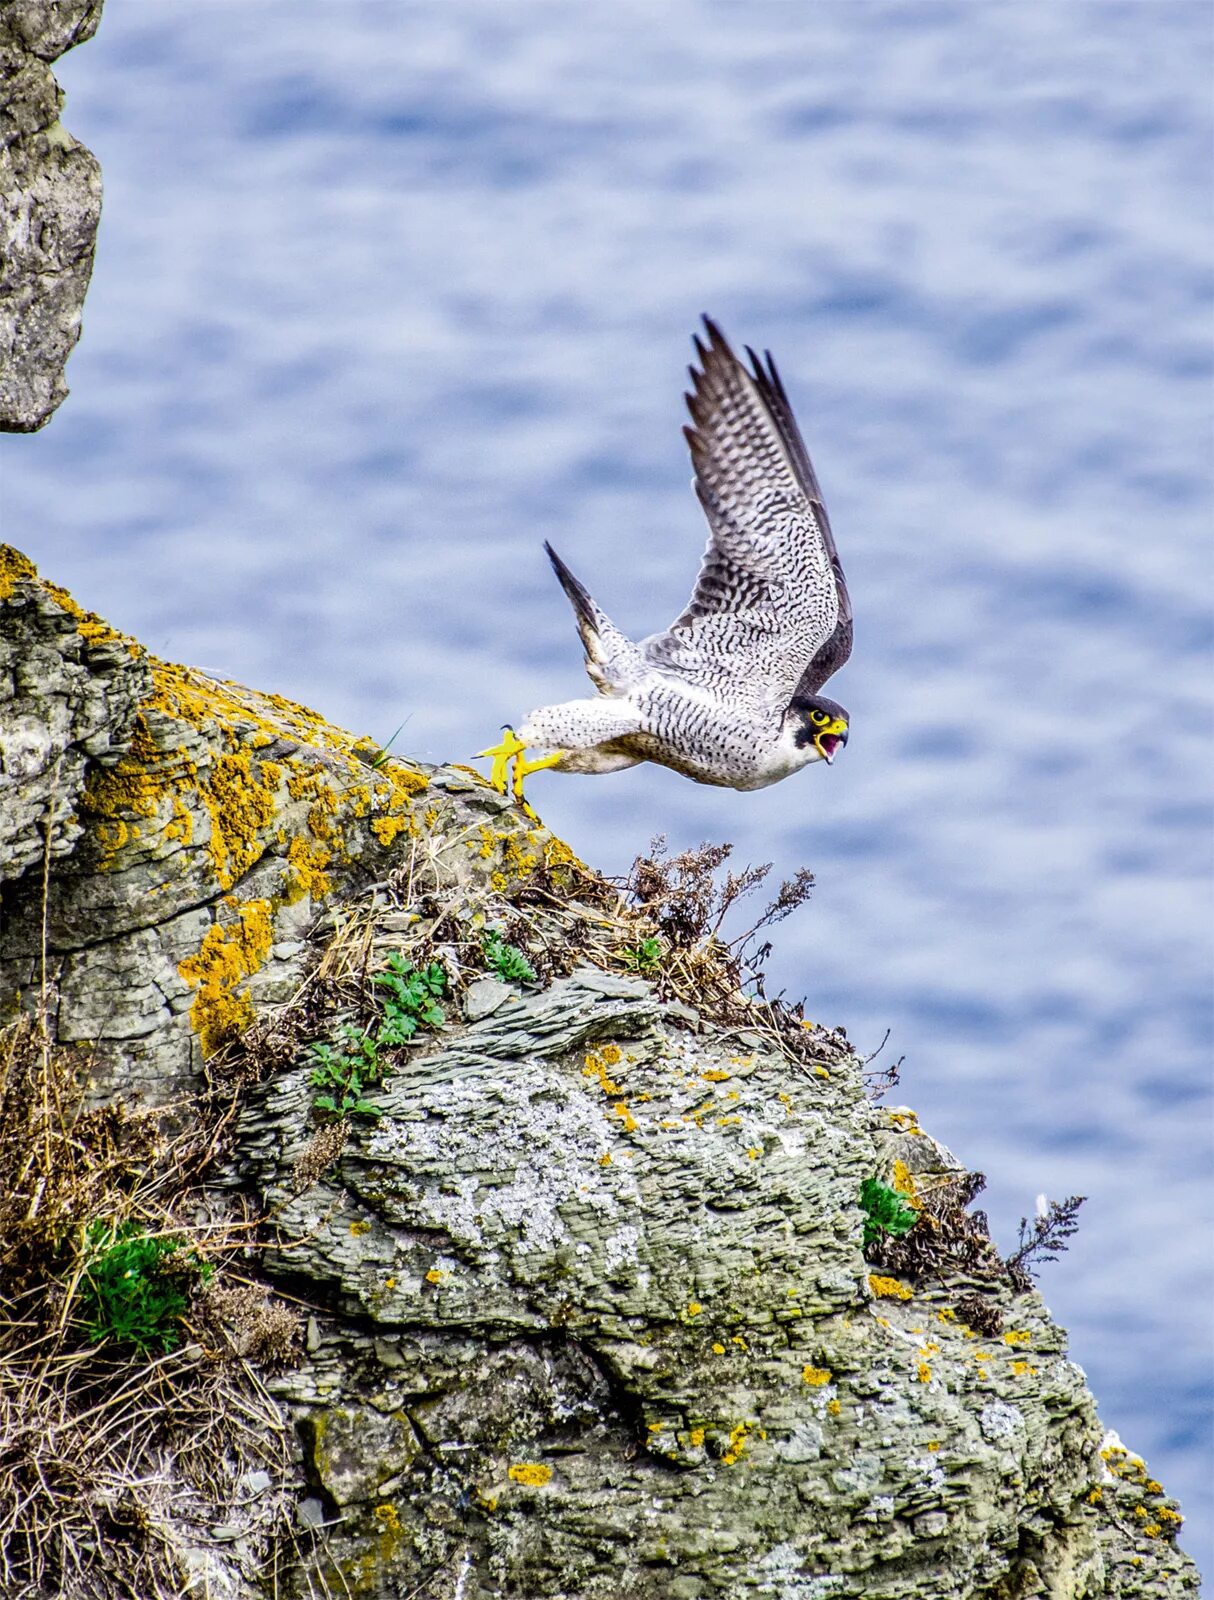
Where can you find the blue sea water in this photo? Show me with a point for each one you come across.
(386, 294)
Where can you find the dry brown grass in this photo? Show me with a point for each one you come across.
(109, 1456)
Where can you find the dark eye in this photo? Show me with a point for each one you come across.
(819, 717)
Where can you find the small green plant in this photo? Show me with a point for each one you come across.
(128, 1292)
(885, 1211)
(411, 998)
(344, 1073)
(341, 1075)
(507, 960)
(644, 957)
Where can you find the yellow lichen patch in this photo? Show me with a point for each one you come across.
(620, 1109)
(241, 797)
(754, 1153)
(907, 1121)
(696, 1438)
(693, 1308)
(816, 1376)
(737, 1444)
(718, 1349)
(435, 1275)
(715, 1075)
(605, 1159)
(306, 860)
(933, 1445)
(596, 1067)
(739, 1341)
(388, 829)
(229, 954)
(923, 1372)
(611, 1055)
(13, 568)
(947, 1315)
(1023, 1369)
(358, 1229)
(532, 1473)
(888, 1288)
(903, 1181)
(1096, 1496)
(1016, 1336)
(90, 626)
(387, 1516)
(834, 1407)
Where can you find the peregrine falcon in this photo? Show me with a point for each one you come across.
(728, 694)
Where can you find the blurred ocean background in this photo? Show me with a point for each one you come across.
(388, 293)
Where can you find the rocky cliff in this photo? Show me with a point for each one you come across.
(525, 1251)
(50, 204)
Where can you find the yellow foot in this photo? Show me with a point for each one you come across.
(503, 754)
(524, 768)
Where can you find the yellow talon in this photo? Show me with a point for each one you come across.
(513, 749)
(524, 768)
(502, 754)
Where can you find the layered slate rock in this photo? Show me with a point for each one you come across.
(50, 203)
(588, 1309)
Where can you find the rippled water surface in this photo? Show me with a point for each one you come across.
(387, 294)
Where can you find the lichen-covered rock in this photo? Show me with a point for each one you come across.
(610, 1276)
(589, 1312)
(50, 203)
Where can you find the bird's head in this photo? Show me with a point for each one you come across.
(820, 724)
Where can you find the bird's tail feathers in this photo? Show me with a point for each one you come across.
(613, 662)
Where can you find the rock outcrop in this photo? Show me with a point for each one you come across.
(588, 1312)
(50, 203)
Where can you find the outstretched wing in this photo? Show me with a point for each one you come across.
(770, 611)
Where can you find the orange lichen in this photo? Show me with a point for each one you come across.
(596, 1067)
(13, 568)
(307, 860)
(229, 954)
(888, 1288)
(241, 797)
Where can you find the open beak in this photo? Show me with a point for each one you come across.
(831, 739)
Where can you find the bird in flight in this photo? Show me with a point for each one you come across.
(728, 694)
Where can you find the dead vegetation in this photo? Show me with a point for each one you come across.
(107, 1452)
